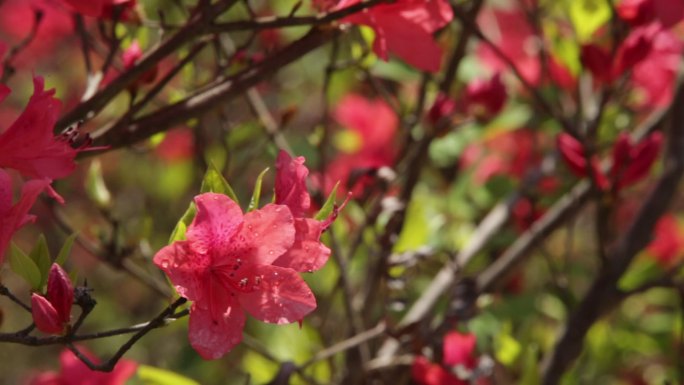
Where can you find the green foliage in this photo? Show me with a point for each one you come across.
(40, 255)
(256, 194)
(588, 15)
(25, 267)
(65, 251)
(156, 376)
(215, 182)
(329, 205)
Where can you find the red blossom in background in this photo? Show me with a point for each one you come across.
(75, 372)
(458, 350)
(631, 162)
(103, 8)
(667, 245)
(52, 312)
(405, 28)
(17, 20)
(375, 124)
(4, 90)
(485, 98)
(130, 57)
(641, 12)
(15, 216)
(510, 153)
(177, 145)
(515, 38)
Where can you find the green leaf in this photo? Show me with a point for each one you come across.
(215, 182)
(256, 195)
(178, 233)
(65, 251)
(95, 185)
(416, 229)
(156, 376)
(40, 255)
(588, 15)
(530, 374)
(25, 267)
(329, 205)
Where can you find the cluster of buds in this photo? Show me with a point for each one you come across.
(52, 312)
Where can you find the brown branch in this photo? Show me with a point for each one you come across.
(195, 27)
(603, 295)
(121, 134)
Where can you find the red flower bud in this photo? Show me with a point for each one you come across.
(635, 48)
(631, 163)
(598, 61)
(572, 152)
(442, 108)
(60, 292)
(486, 98)
(45, 316)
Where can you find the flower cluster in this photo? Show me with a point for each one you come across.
(232, 262)
(458, 356)
(631, 162)
(404, 28)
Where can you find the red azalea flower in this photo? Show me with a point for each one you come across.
(641, 12)
(17, 20)
(226, 265)
(15, 216)
(510, 153)
(458, 350)
(130, 57)
(668, 241)
(572, 152)
(87, 7)
(515, 38)
(75, 372)
(177, 145)
(30, 147)
(376, 124)
(52, 313)
(656, 73)
(485, 98)
(405, 29)
(631, 163)
(596, 59)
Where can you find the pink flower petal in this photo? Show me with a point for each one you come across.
(459, 349)
(45, 315)
(29, 144)
(290, 184)
(265, 235)
(60, 292)
(307, 253)
(75, 372)
(87, 7)
(281, 297)
(218, 219)
(214, 338)
(184, 268)
(15, 216)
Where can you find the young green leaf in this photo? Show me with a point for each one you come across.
(156, 376)
(256, 195)
(96, 187)
(329, 205)
(40, 255)
(24, 266)
(178, 233)
(215, 182)
(65, 251)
